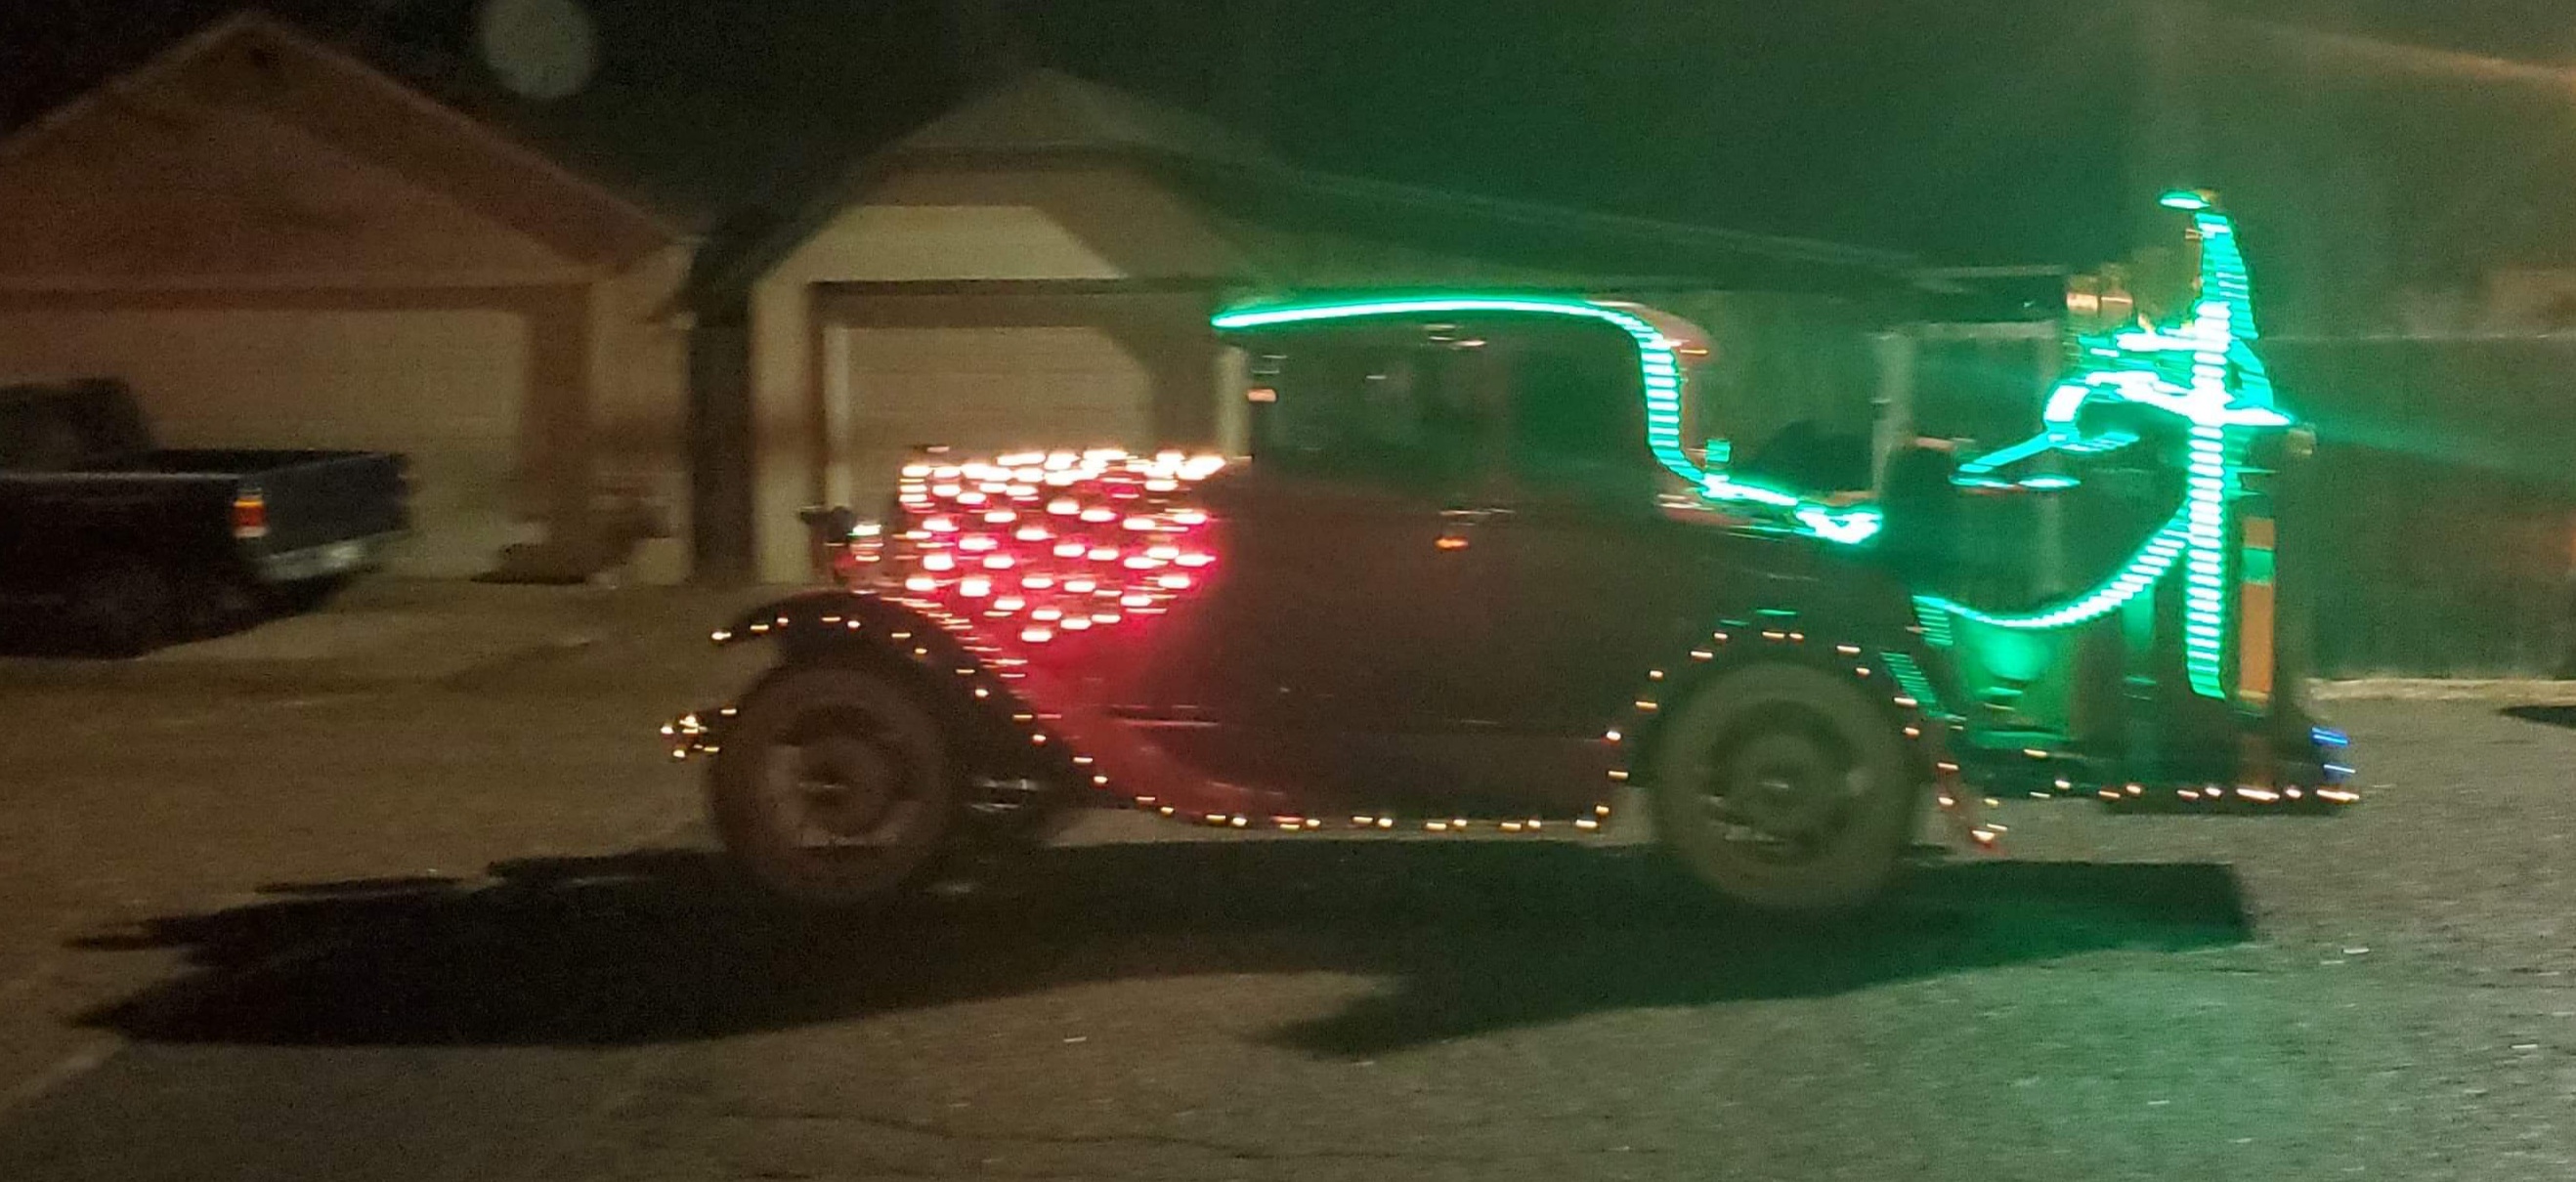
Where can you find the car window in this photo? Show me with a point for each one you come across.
(1577, 416)
(1397, 415)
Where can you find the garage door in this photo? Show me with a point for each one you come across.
(984, 390)
(442, 386)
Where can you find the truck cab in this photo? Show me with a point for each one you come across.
(1490, 563)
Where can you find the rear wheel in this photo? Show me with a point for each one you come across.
(1784, 788)
(304, 595)
(123, 607)
(832, 787)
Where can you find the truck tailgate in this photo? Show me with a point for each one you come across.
(292, 509)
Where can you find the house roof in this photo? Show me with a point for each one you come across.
(755, 161)
(329, 93)
(700, 115)
(1050, 112)
(1277, 213)
(1531, 235)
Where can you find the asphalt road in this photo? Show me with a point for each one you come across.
(284, 924)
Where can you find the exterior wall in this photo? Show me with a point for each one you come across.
(937, 226)
(947, 242)
(2530, 300)
(639, 425)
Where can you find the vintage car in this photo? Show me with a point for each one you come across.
(1488, 569)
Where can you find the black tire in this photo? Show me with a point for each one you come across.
(1784, 788)
(832, 788)
(122, 607)
(208, 602)
(304, 595)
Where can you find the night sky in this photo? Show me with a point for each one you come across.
(1985, 132)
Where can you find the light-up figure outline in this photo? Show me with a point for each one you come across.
(2203, 370)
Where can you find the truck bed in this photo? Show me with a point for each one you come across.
(320, 512)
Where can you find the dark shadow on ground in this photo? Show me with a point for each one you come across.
(1470, 937)
(46, 634)
(29, 634)
(2552, 715)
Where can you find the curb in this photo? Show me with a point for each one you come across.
(2508, 690)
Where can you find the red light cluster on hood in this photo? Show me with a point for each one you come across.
(1039, 545)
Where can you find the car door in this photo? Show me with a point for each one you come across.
(1339, 642)
(1607, 579)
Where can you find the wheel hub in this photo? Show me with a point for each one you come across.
(1781, 787)
(843, 790)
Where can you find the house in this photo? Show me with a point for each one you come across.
(278, 239)
(1038, 266)
(278, 244)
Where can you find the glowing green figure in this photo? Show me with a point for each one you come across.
(2202, 369)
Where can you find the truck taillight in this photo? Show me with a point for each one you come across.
(250, 515)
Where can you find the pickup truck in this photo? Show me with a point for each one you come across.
(115, 546)
(1489, 569)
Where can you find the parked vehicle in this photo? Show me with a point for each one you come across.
(126, 546)
(1487, 566)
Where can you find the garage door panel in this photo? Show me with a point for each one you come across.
(444, 386)
(987, 389)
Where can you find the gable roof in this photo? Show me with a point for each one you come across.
(1048, 118)
(1532, 235)
(1050, 112)
(253, 58)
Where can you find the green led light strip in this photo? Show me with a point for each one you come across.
(1909, 677)
(2140, 572)
(1657, 365)
(2185, 371)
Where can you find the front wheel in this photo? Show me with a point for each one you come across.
(832, 787)
(1784, 788)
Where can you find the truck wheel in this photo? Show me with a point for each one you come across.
(304, 595)
(832, 787)
(122, 607)
(1784, 788)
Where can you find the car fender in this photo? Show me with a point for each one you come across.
(972, 691)
(1891, 671)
